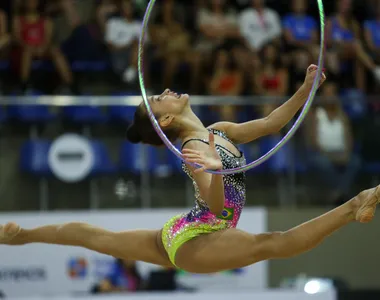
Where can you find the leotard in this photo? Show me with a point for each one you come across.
(182, 228)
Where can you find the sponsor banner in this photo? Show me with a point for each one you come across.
(38, 269)
(262, 295)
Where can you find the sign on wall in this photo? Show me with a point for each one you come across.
(71, 158)
(48, 270)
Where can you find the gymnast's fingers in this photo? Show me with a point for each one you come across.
(312, 68)
(190, 151)
(211, 140)
(323, 79)
(191, 155)
(195, 161)
(199, 170)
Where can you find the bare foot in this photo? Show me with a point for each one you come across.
(8, 232)
(364, 204)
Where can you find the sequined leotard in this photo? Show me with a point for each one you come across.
(200, 220)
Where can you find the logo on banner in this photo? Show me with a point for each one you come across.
(22, 274)
(77, 268)
(71, 158)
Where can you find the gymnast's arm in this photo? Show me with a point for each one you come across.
(211, 186)
(249, 131)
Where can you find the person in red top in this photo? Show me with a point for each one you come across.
(33, 33)
(226, 80)
(272, 79)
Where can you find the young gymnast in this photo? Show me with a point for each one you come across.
(205, 240)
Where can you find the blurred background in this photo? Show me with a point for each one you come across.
(69, 87)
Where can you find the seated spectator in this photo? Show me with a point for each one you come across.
(122, 34)
(344, 41)
(372, 33)
(33, 34)
(124, 277)
(300, 29)
(105, 10)
(332, 145)
(271, 79)
(217, 24)
(172, 43)
(227, 80)
(4, 34)
(301, 37)
(259, 26)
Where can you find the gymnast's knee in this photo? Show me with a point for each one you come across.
(266, 245)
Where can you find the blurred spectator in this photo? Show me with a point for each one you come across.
(227, 80)
(69, 9)
(259, 25)
(122, 34)
(4, 34)
(344, 40)
(300, 29)
(301, 38)
(173, 44)
(332, 145)
(33, 34)
(272, 78)
(124, 277)
(217, 24)
(105, 10)
(372, 33)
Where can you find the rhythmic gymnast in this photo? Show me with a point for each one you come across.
(205, 240)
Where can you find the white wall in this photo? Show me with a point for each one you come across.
(264, 295)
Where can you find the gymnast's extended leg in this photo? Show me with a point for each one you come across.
(232, 248)
(143, 245)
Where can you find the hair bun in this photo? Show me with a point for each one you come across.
(133, 135)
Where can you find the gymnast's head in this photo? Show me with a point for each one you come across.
(171, 111)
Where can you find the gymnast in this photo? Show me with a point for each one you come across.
(206, 239)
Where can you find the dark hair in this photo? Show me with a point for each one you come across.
(141, 130)
(210, 7)
(20, 8)
(277, 63)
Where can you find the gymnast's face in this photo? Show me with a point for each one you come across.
(168, 105)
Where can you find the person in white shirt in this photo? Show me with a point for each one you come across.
(259, 25)
(332, 152)
(122, 34)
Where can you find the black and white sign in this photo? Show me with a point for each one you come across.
(71, 158)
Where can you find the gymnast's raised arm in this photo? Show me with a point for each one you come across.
(249, 131)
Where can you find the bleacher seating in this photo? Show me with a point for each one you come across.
(103, 164)
(30, 114)
(83, 115)
(34, 158)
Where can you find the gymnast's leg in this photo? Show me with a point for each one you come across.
(143, 245)
(232, 248)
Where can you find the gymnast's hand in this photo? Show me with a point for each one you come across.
(311, 73)
(208, 160)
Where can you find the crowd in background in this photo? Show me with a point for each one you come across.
(225, 47)
(212, 47)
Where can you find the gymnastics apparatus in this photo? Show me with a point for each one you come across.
(206, 239)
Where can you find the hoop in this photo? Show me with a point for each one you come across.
(280, 144)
